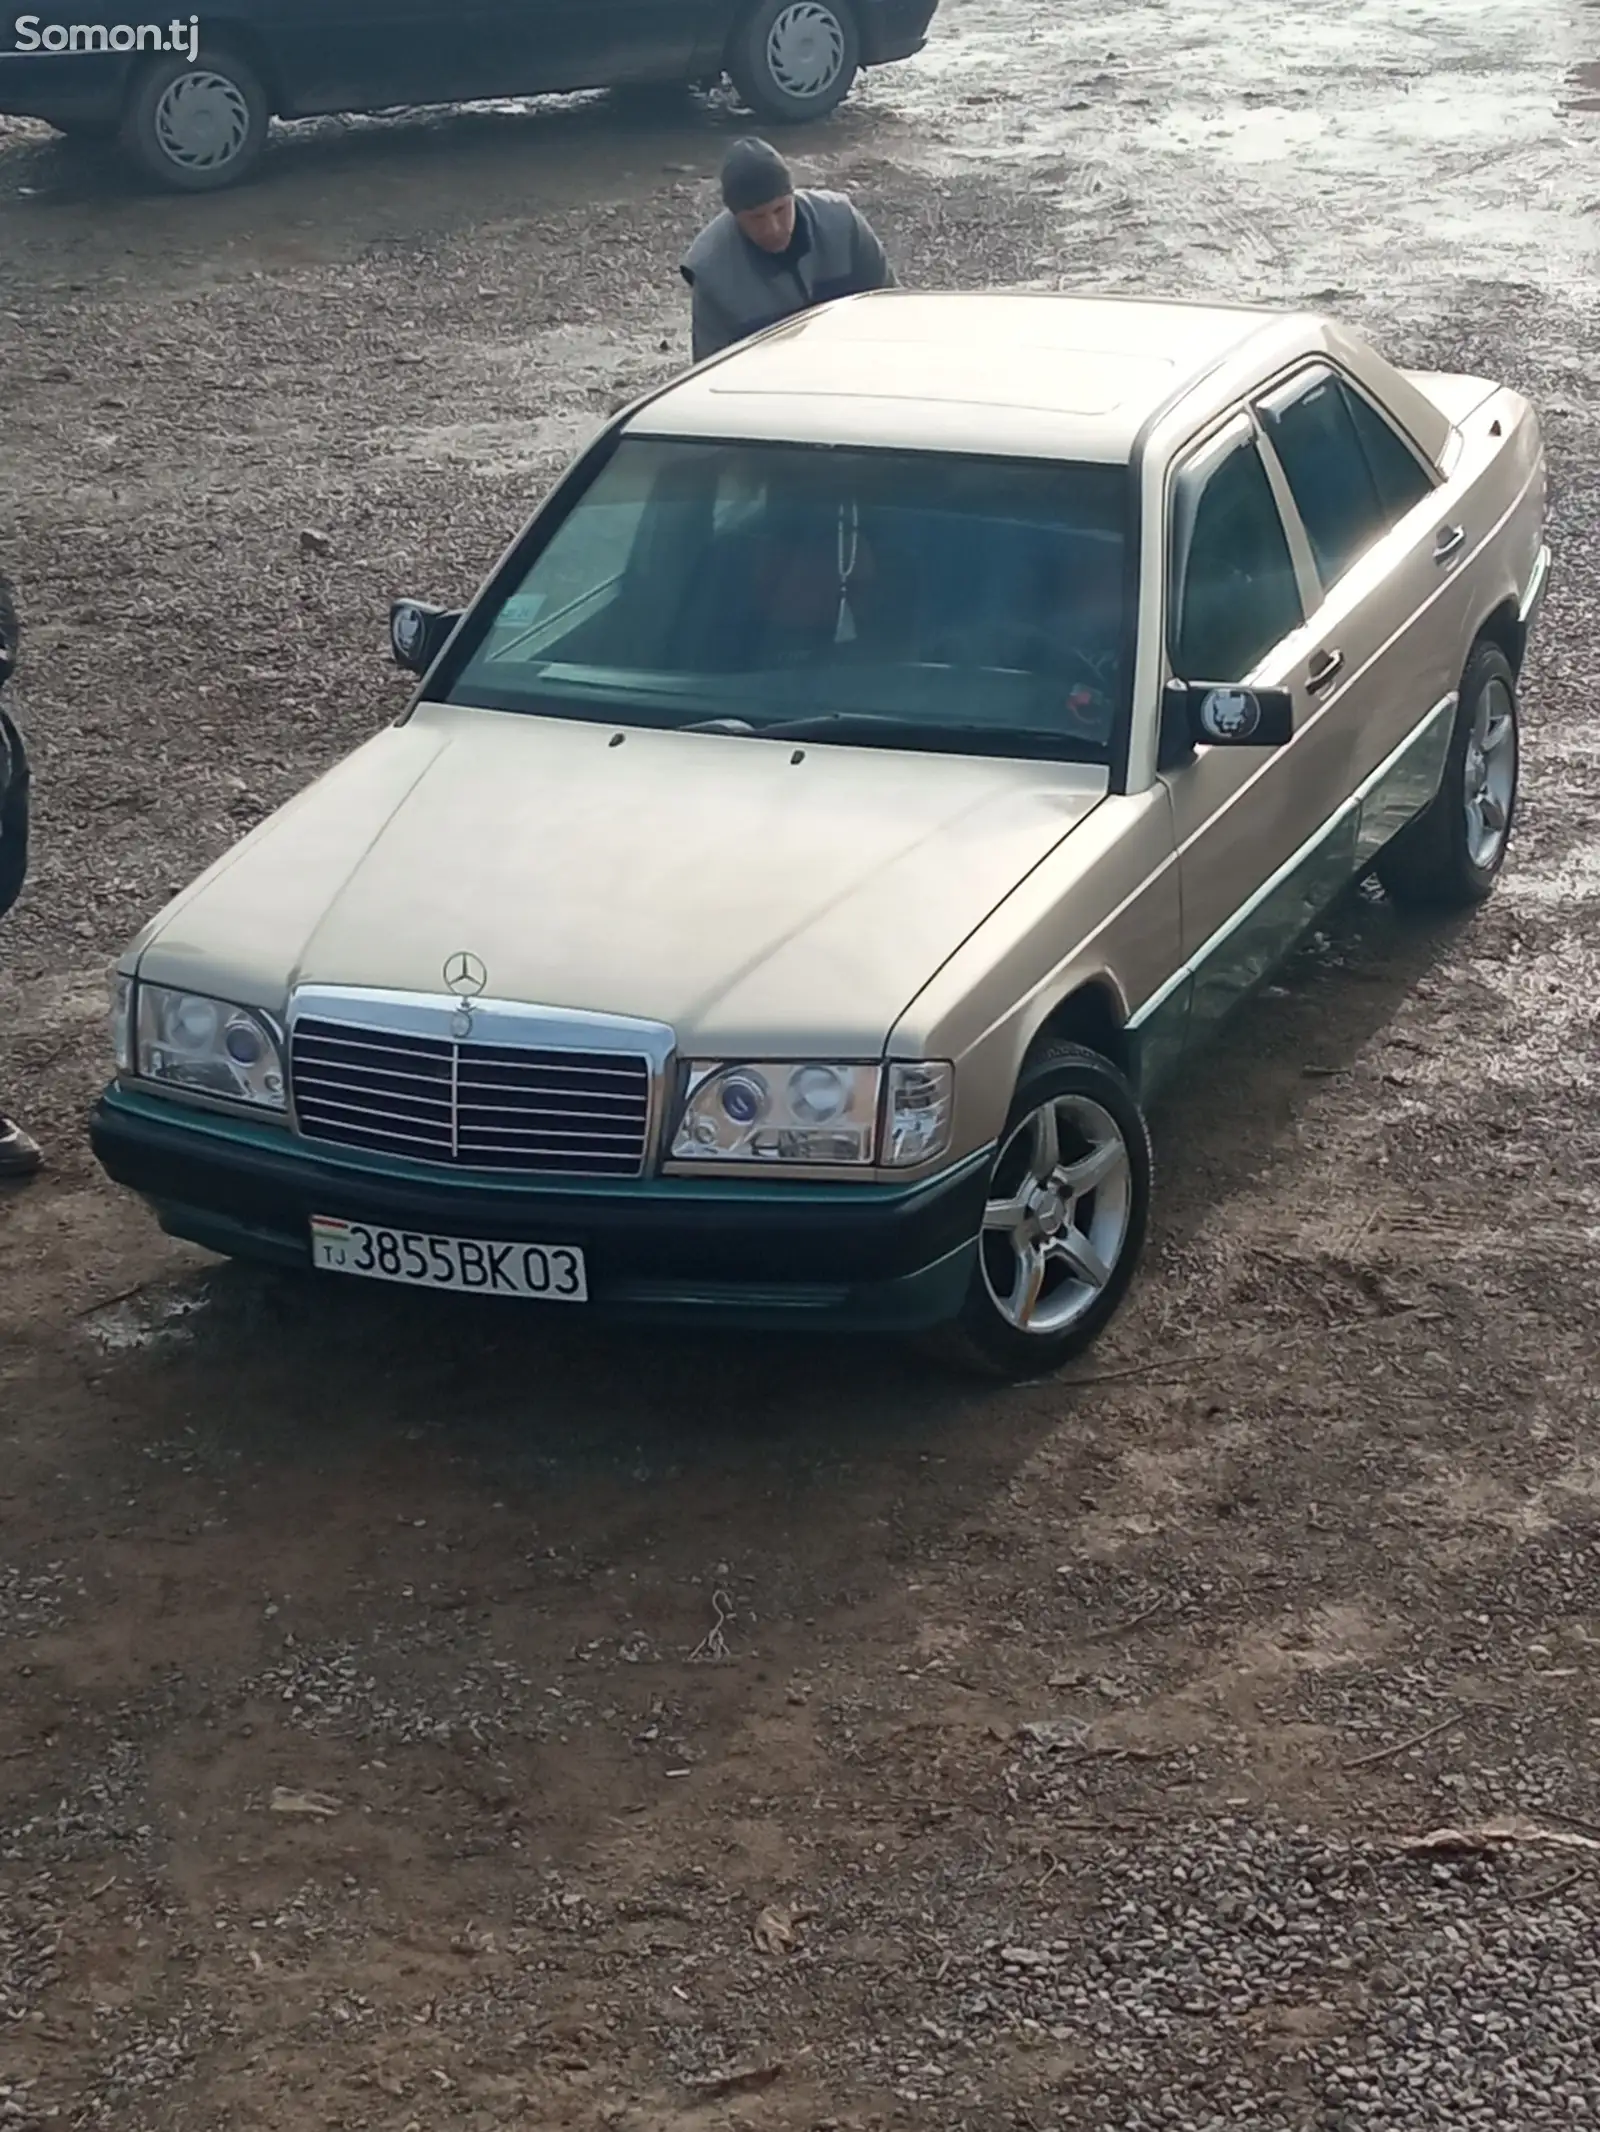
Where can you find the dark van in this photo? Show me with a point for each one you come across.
(190, 97)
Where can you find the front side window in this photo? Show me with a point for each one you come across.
(903, 598)
(1235, 590)
(1350, 474)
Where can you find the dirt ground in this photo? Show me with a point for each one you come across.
(424, 1716)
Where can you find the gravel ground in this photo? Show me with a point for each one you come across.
(430, 1718)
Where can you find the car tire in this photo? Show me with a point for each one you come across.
(1064, 1228)
(795, 60)
(1450, 857)
(197, 125)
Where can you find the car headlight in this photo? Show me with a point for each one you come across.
(187, 1040)
(122, 1022)
(821, 1112)
(807, 1111)
(919, 1111)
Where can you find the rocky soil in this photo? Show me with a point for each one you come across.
(424, 1717)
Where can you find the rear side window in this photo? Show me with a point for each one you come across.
(1398, 473)
(1235, 591)
(1349, 472)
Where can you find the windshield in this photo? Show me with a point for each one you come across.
(884, 598)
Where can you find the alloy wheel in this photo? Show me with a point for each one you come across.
(1059, 1214)
(1490, 774)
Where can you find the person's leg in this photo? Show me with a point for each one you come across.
(19, 1156)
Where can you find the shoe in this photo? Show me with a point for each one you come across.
(19, 1156)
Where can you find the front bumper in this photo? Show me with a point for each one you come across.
(872, 1257)
(893, 29)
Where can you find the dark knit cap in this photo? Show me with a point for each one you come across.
(754, 175)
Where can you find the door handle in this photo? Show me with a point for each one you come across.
(1323, 668)
(1448, 541)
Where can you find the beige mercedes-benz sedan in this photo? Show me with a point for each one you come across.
(886, 755)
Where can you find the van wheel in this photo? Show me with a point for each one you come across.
(1069, 1201)
(197, 125)
(1450, 857)
(793, 60)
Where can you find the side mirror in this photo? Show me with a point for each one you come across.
(417, 633)
(1201, 714)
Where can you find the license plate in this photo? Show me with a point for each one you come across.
(537, 1273)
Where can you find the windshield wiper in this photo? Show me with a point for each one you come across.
(827, 724)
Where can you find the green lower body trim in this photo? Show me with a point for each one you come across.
(1264, 931)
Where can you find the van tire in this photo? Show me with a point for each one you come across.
(795, 60)
(197, 126)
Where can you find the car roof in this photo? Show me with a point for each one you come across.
(1021, 373)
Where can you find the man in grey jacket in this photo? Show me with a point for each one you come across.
(773, 252)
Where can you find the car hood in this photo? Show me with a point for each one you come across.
(751, 895)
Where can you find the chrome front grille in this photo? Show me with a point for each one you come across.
(471, 1105)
